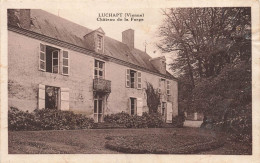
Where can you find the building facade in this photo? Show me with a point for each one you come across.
(54, 63)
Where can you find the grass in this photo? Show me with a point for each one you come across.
(163, 144)
(93, 141)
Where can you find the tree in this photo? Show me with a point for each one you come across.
(153, 98)
(205, 39)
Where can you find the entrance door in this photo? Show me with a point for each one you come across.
(98, 109)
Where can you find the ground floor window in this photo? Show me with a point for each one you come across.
(132, 106)
(163, 108)
(98, 108)
(52, 97)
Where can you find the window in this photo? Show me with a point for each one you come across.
(65, 63)
(98, 109)
(159, 88)
(53, 97)
(50, 60)
(163, 108)
(168, 87)
(132, 106)
(133, 79)
(42, 65)
(99, 70)
(99, 42)
(55, 61)
(139, 80)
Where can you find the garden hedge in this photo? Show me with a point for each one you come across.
(46, 119)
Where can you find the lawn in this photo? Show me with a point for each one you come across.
(96, 140)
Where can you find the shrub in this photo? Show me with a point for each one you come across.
(136, 122)
(118, 118)
(152, 120)
(47, 119)
(238, 124)
(20, 120)
(178, 120)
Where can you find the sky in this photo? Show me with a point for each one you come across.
(146, 32)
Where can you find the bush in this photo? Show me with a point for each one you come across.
(47, 119)
(53, 119)
(20, 120)
(152, 120)
(238, 124)
(136, 122)
(119, 118)
(178, 120)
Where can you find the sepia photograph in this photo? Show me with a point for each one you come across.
(161, 81)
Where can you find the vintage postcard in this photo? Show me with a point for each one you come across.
(130, 81)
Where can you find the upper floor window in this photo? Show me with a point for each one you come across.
(133, 79)
(99, 42)
(99, 69)
(159, 86)
(168, 87)
(53, 60)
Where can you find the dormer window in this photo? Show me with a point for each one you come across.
(95, 40)
(99, 42)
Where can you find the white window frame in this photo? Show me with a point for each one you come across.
(159, 87)
(139, 83)
(128, 80)
(135, 79)
(168, 87)
(58, 58)
(68, 66)
(40, 60)
(135, 105)
(100, 42)
(99, 69)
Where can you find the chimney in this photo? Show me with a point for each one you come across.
(128, 38)
(25, 18)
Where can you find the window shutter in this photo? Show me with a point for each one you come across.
(42, 57)
(65, 98)
(129, 106)
(139, 80)
(168, 87)
(139, 106)
(159, 88)
(65, 62)
(127, 77)
(41, 96)
(169, 112)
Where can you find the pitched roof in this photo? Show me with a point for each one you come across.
(59, 28)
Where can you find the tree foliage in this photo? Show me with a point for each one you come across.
(153, 98)
(205, 39)
(213, 58)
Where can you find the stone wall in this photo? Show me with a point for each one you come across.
(24, 78)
